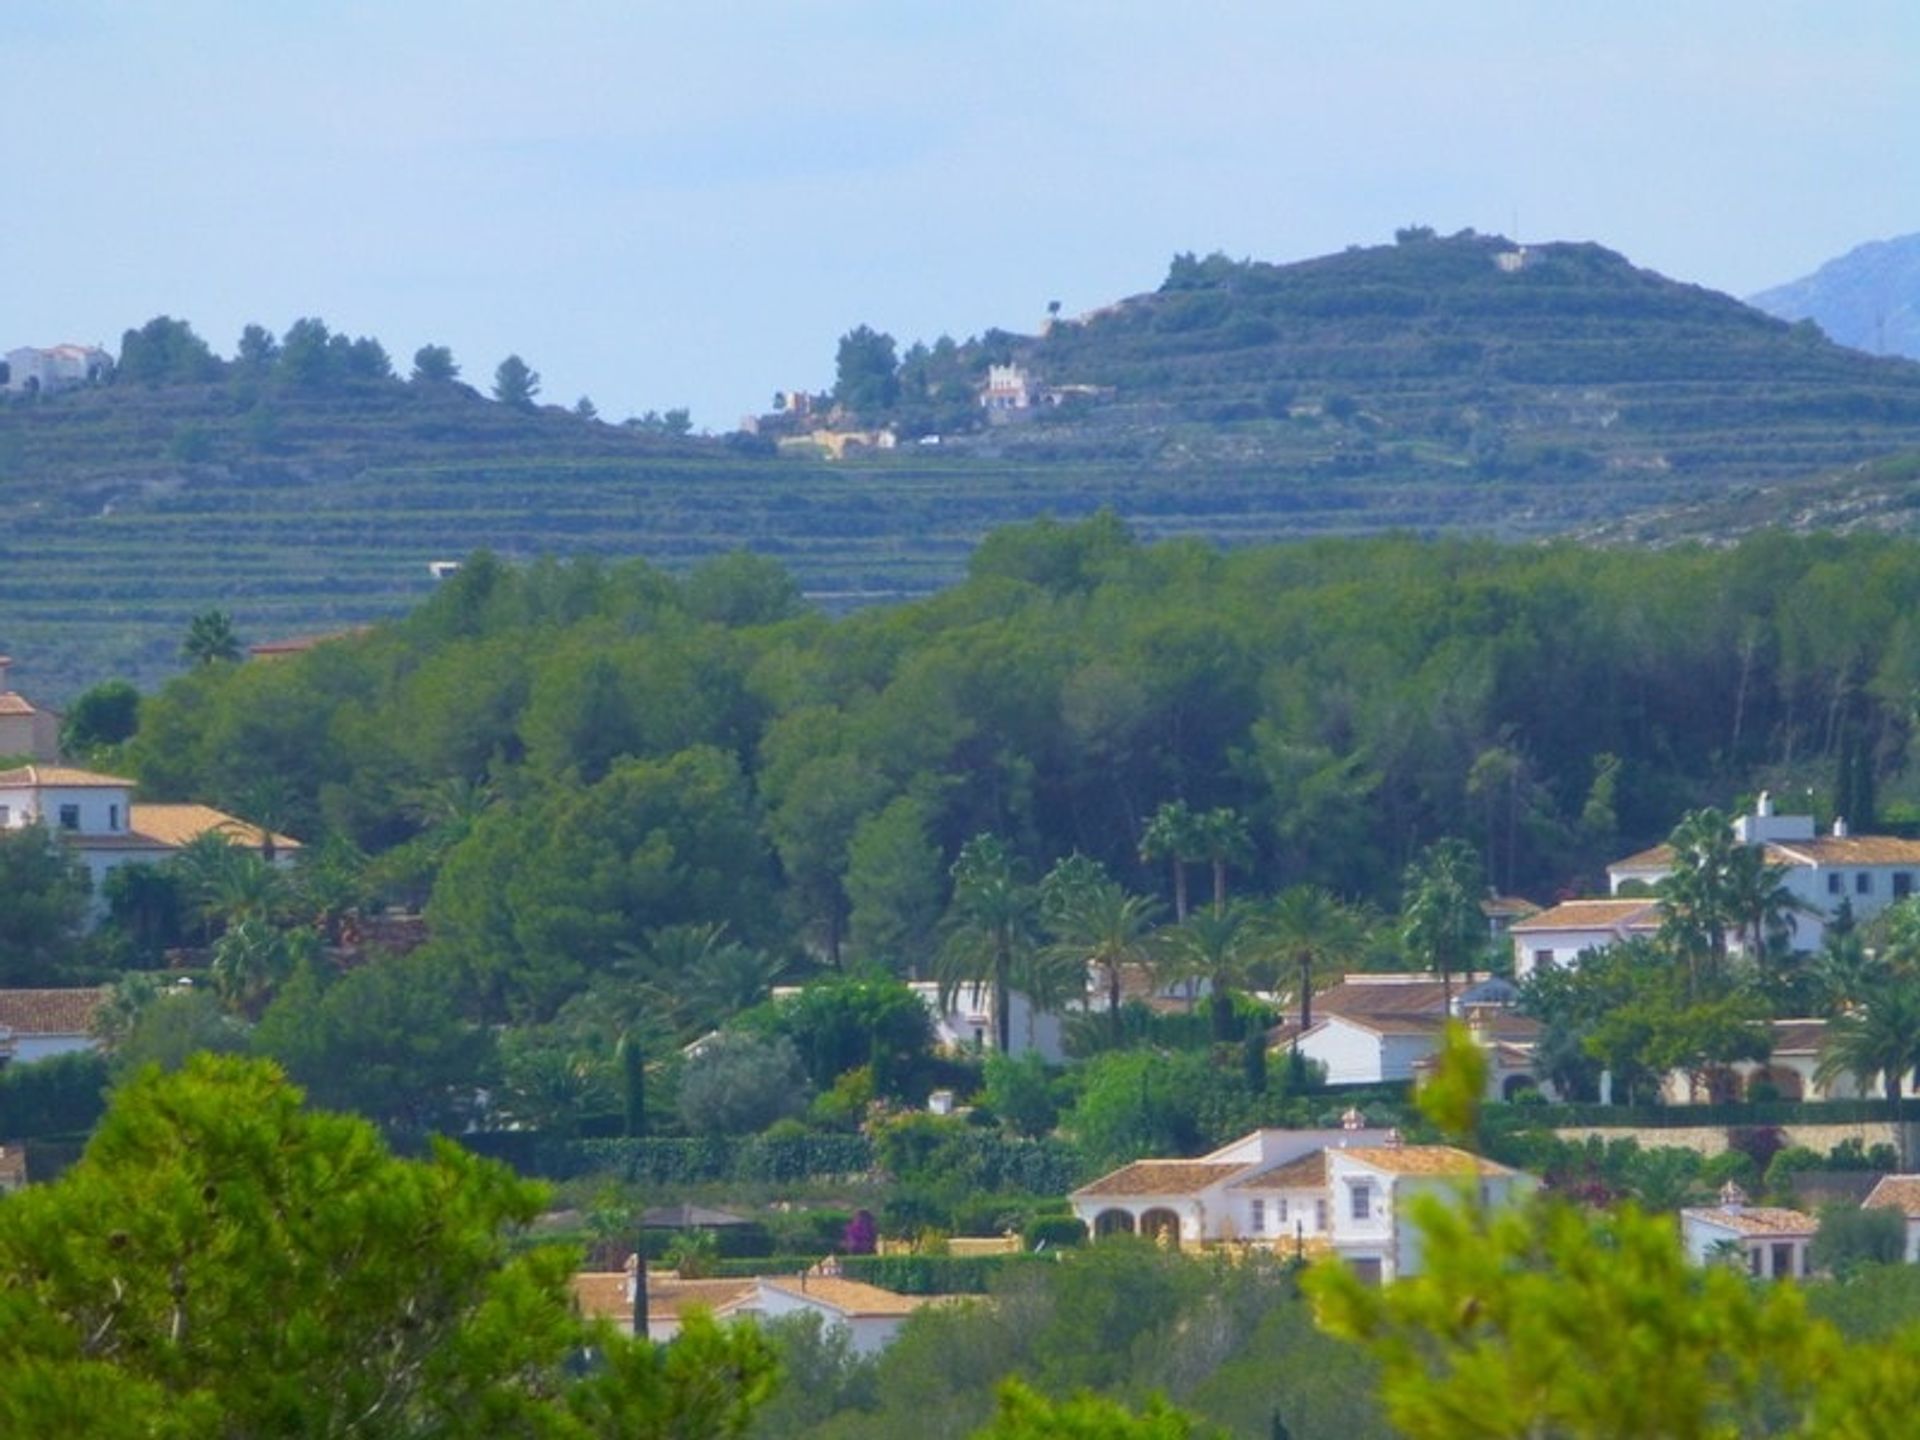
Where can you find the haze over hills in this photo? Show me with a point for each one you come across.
(1433, 384)
(1868, 298)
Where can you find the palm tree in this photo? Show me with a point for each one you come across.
(1763, 910)
(1441, 920)
(991, 916)
(1219, 946)
(1697, 894)
(1094, 922)
(1877, 1039)
(210, 638)
(1173, 834)
(1224, 841)
(1311, 931)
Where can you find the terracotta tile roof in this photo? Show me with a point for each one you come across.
(1503, 905)
(852, 1298)
(1895, 1192)
(1406, 994)
(670, 1297)
(602, 1295)
(1757, 1220)
(15, 704)
(1161, 1177)
(50, 1012)
(1424, 1160)
(177, 825)
(1798, 1037)
(1308, 1172)
(30, 775)
(1660, 857)
(1593, 915)
(1843, 850)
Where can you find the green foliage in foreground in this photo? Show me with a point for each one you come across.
(223, 1261)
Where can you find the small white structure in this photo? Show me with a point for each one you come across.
(26, 730)
(1869, 872)
(1009, 387)
(96, 817)
(39, 1024)
(34, 370)
(1767, 1242)
(1343, 1192)
(1556, 937)
(1902, 1193)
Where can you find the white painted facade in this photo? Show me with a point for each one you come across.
(1367, 1052)
(1559, 936)
(56, 367)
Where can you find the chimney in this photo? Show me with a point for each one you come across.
(1840, 831)
(637, 1293)
(1764, 808)
(1393, 1141)
(1732, 1197)
(1353, 1120)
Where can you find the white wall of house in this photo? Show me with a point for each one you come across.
(867, 1334)
(1357, 1055)
(1557, 948)
(18, 1048)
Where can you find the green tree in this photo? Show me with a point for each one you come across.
(1440, 918)
(1174, 834)
(1025, 1414)
(990, 920)
(307, 357)
(43, 899)
(1094, 922)
(1311, 933)
(433, 365)
(1877, 1040)
(165, 351)
(103, 716)
(1224, 842)
(1221, 947)
(1697, 895)
(866, 372)
(515, 384)
(893, 885)
(738, 1084)
(210, 638)
(226, 1261)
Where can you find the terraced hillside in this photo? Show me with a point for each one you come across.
(1416, 386)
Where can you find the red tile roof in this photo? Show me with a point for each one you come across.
(50, 1012)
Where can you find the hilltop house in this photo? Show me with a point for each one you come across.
(1341, 1192)
(26, 730)
(34, 371)
(96, 817)
(1869, 872)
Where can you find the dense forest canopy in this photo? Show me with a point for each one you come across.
(655, 751)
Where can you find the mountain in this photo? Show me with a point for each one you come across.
(1869, 298)
(1457, 383)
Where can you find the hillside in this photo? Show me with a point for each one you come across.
(1417, 386)
(1868, 298)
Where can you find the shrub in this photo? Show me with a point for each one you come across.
(741, 1084)
(61, 1095)
(1849, 1238)
(1054, 1232)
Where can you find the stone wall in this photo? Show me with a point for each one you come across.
(1712, 1139)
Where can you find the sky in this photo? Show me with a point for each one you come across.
(688, 203)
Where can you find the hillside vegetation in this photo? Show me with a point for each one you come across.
(1417, 386)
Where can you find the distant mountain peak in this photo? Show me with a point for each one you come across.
(1868, 298)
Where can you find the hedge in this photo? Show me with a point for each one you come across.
(61, 1095)
(1672, 1117)
(934, 1274)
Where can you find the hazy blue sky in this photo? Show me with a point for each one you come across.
(688, 203)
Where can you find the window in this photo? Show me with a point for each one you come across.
(1320, 1216)
(113, 817)
(1902, 884)
(1259, 1217)
(1362, 1202)
(69, 817)
(1835, 882)
(1863, 883)
(1283, 1210)
(1543, 959)
(6, 816)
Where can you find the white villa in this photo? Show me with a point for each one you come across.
(1559, 935)
(97, 818)
(1307, 1192)
(1772, 1243)
(1870, 872)
(56, 367)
